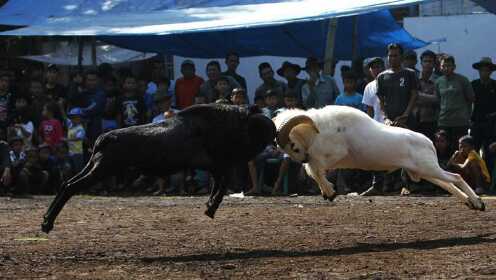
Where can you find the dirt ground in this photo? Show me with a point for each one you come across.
(250, 238)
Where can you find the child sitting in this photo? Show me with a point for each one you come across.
(271, 103)
(238, 97)
(32, 178)
(467, 162)
(222, 91)
(162, 106)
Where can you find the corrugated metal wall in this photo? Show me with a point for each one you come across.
(449, 7)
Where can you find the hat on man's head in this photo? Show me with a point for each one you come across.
(161, 95)
(375, 60)
(287, 64)
(74, 112)
(188, 62)
(52, 68)
(485, 61)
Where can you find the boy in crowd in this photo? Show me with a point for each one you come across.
(238, 97)
(32, 178)
(350, 97)
(222, 89)
(22, 125)
(17, 160)
(350, 180)
(259, 101)
(47, 164)
(370, 99)
(63, 164)
(467, 162)
(50, 130)
(130, 106)
(291, 101)
(271, 101)
(163, 106)
(76, 135)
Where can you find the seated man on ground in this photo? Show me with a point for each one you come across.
(468, 163)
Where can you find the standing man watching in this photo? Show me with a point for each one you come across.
(455, 95)
(397, 90)
(269, 83)
(484, 115)
(232, 63)
(319, 90)
(370, 99)
(427, 104)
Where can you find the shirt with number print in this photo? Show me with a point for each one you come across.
(395, 90)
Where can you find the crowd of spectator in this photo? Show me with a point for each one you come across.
(48, 128)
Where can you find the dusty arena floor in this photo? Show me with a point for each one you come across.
(251, 238)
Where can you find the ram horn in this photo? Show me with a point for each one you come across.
(282, 137)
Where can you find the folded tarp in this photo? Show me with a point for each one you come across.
(67, 53)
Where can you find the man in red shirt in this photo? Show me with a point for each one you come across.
(188, 86)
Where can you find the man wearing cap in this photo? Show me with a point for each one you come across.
(319, 90)
(188, 86)
(290, 72)
(370, 99)
(232, 63)
(75, 138)
(484, 113)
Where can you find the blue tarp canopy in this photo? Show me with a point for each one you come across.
(374, 32)
(198, 28)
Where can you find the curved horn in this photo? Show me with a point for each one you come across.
(282, 137)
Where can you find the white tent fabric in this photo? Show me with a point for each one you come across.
(78, 17)
(67, 54)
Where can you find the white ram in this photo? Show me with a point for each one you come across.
(344, 137)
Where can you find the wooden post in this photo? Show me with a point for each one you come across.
(93, 51)
(355, 51)
(329, 50)
(80, 52)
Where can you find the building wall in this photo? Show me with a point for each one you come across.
(467, 37)
(449, 7)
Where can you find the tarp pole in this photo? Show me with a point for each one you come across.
(329, 50)
(80, 53)
(354, 41)
(93, 51)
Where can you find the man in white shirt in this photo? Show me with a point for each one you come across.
(370, 99)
